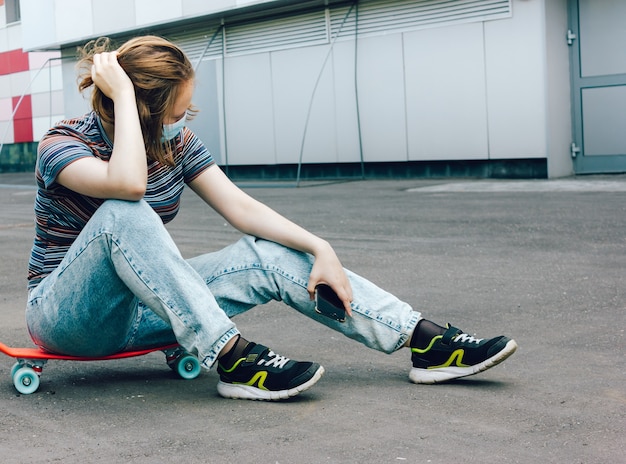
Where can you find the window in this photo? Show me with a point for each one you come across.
(12, 8)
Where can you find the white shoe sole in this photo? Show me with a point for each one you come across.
(246, 392)
(443, 374)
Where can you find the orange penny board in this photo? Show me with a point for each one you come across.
(38, 353)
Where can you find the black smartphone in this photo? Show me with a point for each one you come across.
(328, 303)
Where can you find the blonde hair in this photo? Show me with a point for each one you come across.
(157, 69)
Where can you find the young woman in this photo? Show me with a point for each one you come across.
(105, 276)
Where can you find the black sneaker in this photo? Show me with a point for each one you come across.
(261, 374)
(456, 354)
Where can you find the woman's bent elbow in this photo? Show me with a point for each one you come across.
(131, 192)
(136, 194)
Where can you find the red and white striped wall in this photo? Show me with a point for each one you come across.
(31, 97)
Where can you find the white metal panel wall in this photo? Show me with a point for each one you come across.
(436, 88)
(294, 73)
(516, 73)
(346, 123)
(445, 93)
(249, 113)
(60, 25)
(421, 94)
(208, 125)
(67, 28)
(558, 110)
(75, 103)
(382, 98)
(38, 23)
(156, 11)
(111, 16)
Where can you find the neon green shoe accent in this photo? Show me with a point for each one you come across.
(239, 361)
(249, 358)
(455, 356)
(430, 345)
(258, 379)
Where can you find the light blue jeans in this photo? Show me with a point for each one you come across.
(123, 285)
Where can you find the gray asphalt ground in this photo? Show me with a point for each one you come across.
(541, 261)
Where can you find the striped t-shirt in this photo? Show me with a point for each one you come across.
(60, 213)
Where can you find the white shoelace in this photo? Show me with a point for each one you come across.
(275, 360)
(467, 338)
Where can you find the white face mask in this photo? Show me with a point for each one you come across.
(171, 130)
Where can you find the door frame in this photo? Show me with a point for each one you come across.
(595, 164)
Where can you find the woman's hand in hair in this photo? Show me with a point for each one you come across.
(110, 77)
(124, 176)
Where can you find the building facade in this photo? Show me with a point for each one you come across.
(343, 88)
(31, 95)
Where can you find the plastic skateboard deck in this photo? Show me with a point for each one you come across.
(30, 361)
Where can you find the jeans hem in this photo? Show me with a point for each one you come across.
(208, 361)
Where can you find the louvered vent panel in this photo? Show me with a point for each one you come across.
(194, 43)
(293, 31)
(376, 17)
